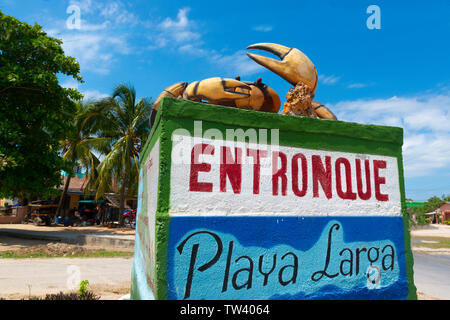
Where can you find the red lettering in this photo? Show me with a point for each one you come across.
(278, 173)
(379, 164)
(256, 154)
(230, 168)
(196, 167)
(297, 192)
(319, 169)
(348, 194)
(322, 175)
(363, 195)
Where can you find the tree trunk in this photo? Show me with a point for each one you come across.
(63, 194)
(122, 199)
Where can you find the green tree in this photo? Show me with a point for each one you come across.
(125, 124)
(79, 144)
(432, 204)
(34, 109)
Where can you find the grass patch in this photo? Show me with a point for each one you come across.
(438, 242)
(95, 254)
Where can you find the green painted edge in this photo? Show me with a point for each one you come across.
(162, 210)
(176, 113)
(299, 139)
(409, 259)
(180, 108)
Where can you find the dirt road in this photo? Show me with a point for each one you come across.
(108, 277)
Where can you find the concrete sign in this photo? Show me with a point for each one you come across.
(237, 204)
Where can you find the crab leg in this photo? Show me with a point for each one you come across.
(173, 91)
(216, 89)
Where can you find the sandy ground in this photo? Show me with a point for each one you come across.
(431, 231)
(25, 246)
(105, 291)
(21, 278)
(108, 277)
(434, 230)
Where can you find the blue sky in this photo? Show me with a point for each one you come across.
(396, 75)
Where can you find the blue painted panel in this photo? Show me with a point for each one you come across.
(286, 258)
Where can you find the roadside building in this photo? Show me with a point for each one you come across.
(77, 197)
(444, 211)
(75, 191)
(433, 216)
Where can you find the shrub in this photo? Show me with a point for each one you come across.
(82, 294)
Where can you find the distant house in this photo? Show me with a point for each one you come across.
(440, 214)
(77, 196)
(444, 211)
(75, 191)
(433, 216)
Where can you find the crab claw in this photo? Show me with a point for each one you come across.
(294, 66)
(173, 91)
(215, 90)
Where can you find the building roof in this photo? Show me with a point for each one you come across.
(445, 207)
(432, 212)
(78, 183)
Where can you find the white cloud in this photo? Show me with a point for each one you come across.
(93, 95)
(328, 80)
(88, 95)
(179, 33)
(356, 85)
(70, 84)
(182, 21)
(114, 12)
(424, 118)
(237, 63)
(193, 50)
(86, 6)
(85, 26)
(263, 28)
(102, 36)
(117, 13)
(93, 50)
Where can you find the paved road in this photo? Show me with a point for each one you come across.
(56, 274)
(432, 274)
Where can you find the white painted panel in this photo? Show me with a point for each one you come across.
(216, 203)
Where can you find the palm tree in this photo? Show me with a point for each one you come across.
(125, 124)
(78, 146)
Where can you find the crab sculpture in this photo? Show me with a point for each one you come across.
(227, 92)
(294, 67)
